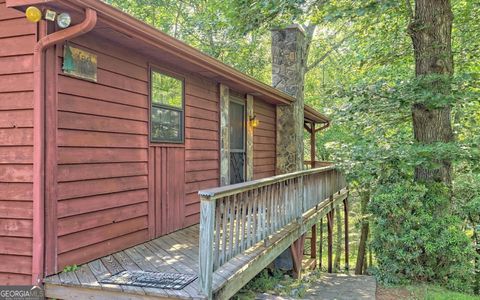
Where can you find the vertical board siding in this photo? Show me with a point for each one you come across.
(102, 161)
(17, 39)
(168, 169)
(201, 142)
(264, 144)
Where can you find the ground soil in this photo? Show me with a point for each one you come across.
(393, 293)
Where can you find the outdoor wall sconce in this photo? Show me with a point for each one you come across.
(34, 15)
(254, 122)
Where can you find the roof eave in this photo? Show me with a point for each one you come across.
(131, 26)
(315, 116)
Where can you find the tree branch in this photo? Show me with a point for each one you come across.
(326, 54)
(408, 4)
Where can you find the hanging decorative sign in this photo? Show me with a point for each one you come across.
(79, 63)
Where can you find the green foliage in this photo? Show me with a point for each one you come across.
(438, 293)
(417, 238)
(360, 73)
(274, 282)
(264, 281)
(70, 268)
(424, 292)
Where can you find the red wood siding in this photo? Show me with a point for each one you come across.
(201, 142)
(167, 187)
(17, 39)
(102, 156)
(113, 184)
(264, 144)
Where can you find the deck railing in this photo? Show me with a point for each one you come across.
(234, 218)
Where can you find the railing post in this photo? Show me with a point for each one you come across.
(320, 250)
(301, 195)
(345, 212)
(330, 216)
(207, 226)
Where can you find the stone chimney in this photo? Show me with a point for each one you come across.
(288, 76)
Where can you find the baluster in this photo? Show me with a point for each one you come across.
(285, 204)
(261, 192)
(238, 217)
(223, 255)
(218, 222)
(231, 223)
(305, 193)
(318, 196)
(278, 200)
(255, 217)
(244, 220)
(249, 218)
(304, 188)
(298, 194)
(325, 185)
(289, 202)
(309, 179)
(266, 212)
(296, 203)
(329, 185)
(274, 207)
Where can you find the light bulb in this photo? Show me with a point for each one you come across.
(33, 14)
(64, 20)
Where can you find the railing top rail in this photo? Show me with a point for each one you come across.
(228, 190)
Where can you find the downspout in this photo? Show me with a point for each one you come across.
(87, 25)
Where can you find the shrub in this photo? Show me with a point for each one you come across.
(416, 237)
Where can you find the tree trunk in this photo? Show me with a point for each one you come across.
(362, 245)
(362, 249)
(431, 33)
(338, 241)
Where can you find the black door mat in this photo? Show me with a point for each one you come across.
(161, 280)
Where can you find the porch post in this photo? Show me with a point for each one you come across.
(330, 216)
(249, 148)
(207, 227)
(313, 146)
(224, 135)
(347, 249)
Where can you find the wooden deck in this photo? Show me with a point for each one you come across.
(269, 222)
(174, 253)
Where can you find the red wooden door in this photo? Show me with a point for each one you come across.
(167, 184)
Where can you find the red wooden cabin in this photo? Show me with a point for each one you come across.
(92, 166)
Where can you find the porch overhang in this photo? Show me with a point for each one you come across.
(313, 116)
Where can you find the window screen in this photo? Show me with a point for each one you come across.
(237, 142)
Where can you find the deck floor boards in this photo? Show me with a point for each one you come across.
(173, 253)
(177, 252)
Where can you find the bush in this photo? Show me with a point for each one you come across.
(416, 237)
